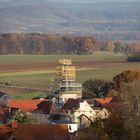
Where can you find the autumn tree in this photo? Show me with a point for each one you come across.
(108, 46)
(119, 47)
(125, 77)
(130, 93)
(36, 43)
(14, 41)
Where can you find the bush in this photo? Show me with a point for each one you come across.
(134, 58)
(22, 118)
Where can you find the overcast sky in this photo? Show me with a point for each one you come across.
(84, 1)
(90, 1)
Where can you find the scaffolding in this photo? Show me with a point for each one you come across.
(66, 72)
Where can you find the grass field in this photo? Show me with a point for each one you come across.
(106, 72)
(39, 70)
(29, 95)
(12, 59)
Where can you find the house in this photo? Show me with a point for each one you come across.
(24, 105)
(85, 110)
(75, 108)
(39, 110)
(4, 98)
(101, 104)
(45, 107)
(72, 103)
(60, 118)
(98, 102)
(115, 104)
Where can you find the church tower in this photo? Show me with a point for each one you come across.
(68, 88)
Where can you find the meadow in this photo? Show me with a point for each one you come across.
(98, 56)
(39, 70)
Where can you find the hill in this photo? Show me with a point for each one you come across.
(69, 18)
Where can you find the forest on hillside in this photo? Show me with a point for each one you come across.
(36, 43)
(115, 20)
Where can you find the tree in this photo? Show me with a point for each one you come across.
(125, 77)
(131, 94)
(113, 93)
(54, 85)
(108, 46)
(95, 88)
(134, 58)
(21, 117)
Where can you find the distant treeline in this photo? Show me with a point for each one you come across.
(35, 43)
(114, 35)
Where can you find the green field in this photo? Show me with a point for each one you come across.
(29, 95)
(54, 58)
(42, 78)
(106, 72)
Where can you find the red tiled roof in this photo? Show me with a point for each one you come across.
(46, 107)
(89, 101)
(103, 100)
(74, 103)
(25, 105)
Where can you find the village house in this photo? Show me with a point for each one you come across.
(101, 101)
(84, 111)
(80, 111)
(38, 110)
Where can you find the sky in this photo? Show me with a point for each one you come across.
(89, 1)
(84, 1)
(78, 1)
